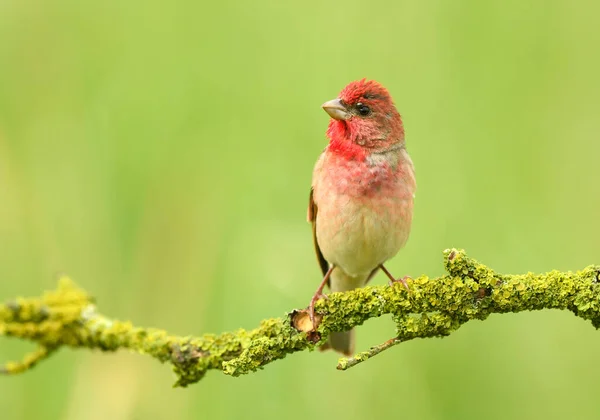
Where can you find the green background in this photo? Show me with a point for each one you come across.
(161, 154)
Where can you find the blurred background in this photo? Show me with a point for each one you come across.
(161, 154)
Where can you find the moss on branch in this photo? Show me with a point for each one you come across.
(432, 308)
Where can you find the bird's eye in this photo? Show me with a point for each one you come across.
(363, 109)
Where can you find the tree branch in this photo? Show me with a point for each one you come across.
(432, 308)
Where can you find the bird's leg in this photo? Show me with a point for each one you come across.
(393, 280)
(318, 295)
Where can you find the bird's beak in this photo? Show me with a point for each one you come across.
(336, 109)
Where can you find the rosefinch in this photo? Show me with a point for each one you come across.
(361, 201)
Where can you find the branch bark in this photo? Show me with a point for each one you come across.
(431, 308)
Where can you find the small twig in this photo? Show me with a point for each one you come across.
(347, 362)
(28, 362)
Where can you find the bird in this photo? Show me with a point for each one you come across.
(362, 194)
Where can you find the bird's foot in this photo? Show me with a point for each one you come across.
(402, 280)
(311, 308)
(394, 280)
(318, 295)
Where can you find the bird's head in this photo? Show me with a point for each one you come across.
(364, 115)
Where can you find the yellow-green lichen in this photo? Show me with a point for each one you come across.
(434, 307)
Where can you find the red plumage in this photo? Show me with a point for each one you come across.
(355, 137)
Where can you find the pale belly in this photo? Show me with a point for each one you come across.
(364, 210)
(358, 234)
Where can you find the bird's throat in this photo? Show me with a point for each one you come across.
(358, 142)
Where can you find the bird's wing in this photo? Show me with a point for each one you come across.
(312, 218)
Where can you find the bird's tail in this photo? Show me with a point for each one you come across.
(343, 342)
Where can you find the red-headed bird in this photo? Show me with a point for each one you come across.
(361, 200)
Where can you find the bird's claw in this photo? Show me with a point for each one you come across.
(311, 308)
(402, 280)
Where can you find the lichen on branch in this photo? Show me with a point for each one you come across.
(68, 317)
